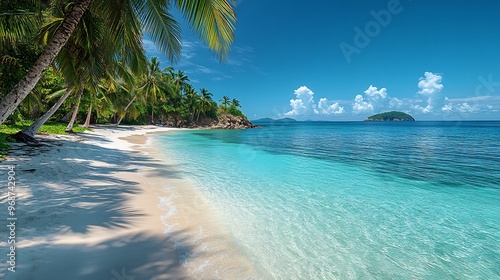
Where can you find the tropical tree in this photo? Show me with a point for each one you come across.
(236, 102)
(179, 80)
(192, 98)
(81, 61)
(212, 20)
(207, 95)
(154, 85)
(19, 22)
(204, 105)
(225, 101)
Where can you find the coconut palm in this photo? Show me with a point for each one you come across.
(236, 102)
(225, 101)
(212, 20)
(83, 61)
(19, 22)
(179, 80)
(154, 84)
(192, 98)
(204, 105)
(207, 95)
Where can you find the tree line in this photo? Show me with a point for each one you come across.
(86, 59)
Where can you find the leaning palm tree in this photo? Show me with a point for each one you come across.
(212, 20)
(83, 61)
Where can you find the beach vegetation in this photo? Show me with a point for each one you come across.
(124, 24)
(85, 62)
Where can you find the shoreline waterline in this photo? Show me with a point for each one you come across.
(88, 208)
(189, 218)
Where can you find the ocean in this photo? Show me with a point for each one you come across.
(353, 200)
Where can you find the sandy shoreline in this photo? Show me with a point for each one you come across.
(104, 205)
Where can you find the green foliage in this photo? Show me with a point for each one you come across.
(231, 109)
(7, 130)
(4, 147)
(49, 127)
(391, 116)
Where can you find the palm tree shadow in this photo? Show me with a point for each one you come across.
(80, 187)
(138, 256)
(86, 185)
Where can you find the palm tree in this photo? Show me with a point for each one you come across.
(82, 61)
(207, 95)
(180, 80)
(212, 20)
(154, 84)
(19, 22)
(225, 101)
(204, 105)
(236, 103)
(192, 98)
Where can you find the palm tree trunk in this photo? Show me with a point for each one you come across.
(66, 117)
(152, 114)
(89, 114)
(192, 116)
(28, 134)
(10, 101)
(126, 108)
(71, 123)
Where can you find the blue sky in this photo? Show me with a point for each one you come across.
(346, 60)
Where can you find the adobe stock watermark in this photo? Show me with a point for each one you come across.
(363, 37)
(11, 218)
(486, 84)
(122, 275)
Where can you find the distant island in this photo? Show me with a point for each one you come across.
(390, 117)
(284, 120)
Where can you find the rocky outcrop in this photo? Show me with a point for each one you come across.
(227, 121)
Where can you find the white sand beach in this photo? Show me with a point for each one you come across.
(103, 205)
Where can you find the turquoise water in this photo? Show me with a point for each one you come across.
(354, 200)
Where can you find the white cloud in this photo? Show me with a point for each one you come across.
(304, 104)
(447, 108)
(466, 108)
(430, 86)
(361, 106)
(373, 93)
(326, 109)
(374, 99)
(395, 103)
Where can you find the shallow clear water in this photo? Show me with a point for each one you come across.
(354, 200)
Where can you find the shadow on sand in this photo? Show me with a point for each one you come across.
(78, 188)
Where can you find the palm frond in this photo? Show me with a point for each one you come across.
(163, 28)
(213, 20)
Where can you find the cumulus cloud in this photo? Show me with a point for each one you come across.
(361, 106)
(304, 104)
(326, 109)
(396, 103)
(374, 99)
(430, 86)
(467, 108)
(447, 108)
(375, 94)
